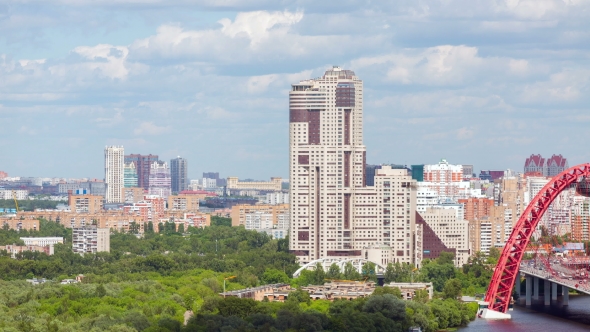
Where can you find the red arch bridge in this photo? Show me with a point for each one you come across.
(506, 272)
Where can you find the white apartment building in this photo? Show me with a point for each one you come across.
(42, 241)
(90, 239)
(114, 173)
(263, 221)
(9, 194)
(277, 198)
(258, 220)
(425, 198)
(453, 232)
(209, 183)
(333, 213)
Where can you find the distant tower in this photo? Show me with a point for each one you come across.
(160, 179)
(143, 166)
(113, 173)
(130, 175)
(178, 171)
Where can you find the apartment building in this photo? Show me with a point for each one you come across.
(277, 198)
(580, 219)
(275, 184)
(114, 173)
(132, 195)
(333, 213)
(477, 207)
(453, 232)
(160, 181)
(86, 203)
(18, 224)
(10, 194)
(130, 175)
(241, 213)
(143, 164)
(184, 202)
(537, 165)
(179, 174)
(90, 239)
(13, 249)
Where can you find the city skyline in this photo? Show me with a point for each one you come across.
(476, 83)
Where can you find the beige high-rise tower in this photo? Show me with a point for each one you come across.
(114, 173)
(333, 213)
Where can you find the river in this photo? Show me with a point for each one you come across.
(575, 317)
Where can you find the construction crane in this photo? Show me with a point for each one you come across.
(224, 279)
(15, 201)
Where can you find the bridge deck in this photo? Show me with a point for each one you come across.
(561, 275)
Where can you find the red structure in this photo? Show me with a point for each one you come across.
(505, 274)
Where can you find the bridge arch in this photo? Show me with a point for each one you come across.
(506, 271)
(340, 262)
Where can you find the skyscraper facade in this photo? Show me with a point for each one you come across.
(113, 173)
(160, 181)
(130, 175)
(143, 164)
(333, 213)
(178, 172)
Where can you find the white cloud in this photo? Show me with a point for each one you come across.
(218, 113)
(257, 25)
(149, 128)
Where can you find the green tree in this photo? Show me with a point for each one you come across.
(150, 227)
(388, 290)
(234, 306)
(369, 271)
(333, 272)
(387, 305)
(274, 276)
(319, 275)
(100, 291)
(493, 255)
(452, 289)
(421, 296)
(350, 272)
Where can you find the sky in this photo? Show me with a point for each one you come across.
(482, 82)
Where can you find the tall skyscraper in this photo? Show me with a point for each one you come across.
(333, 213)
(113, 173)
(143, 164)
(178, 171)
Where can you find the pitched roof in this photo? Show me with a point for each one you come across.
(534, 160)
(557, 160)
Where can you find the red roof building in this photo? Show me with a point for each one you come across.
(536, 164)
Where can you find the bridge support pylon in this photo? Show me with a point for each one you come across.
(566, 295)
(529, 286)
(553, 291)
(547, 292)
(535, 288)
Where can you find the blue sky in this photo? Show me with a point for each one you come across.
(482, 82)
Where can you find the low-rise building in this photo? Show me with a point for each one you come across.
(346, 290)
(19, 224)
(14, 249)
(42, 241)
